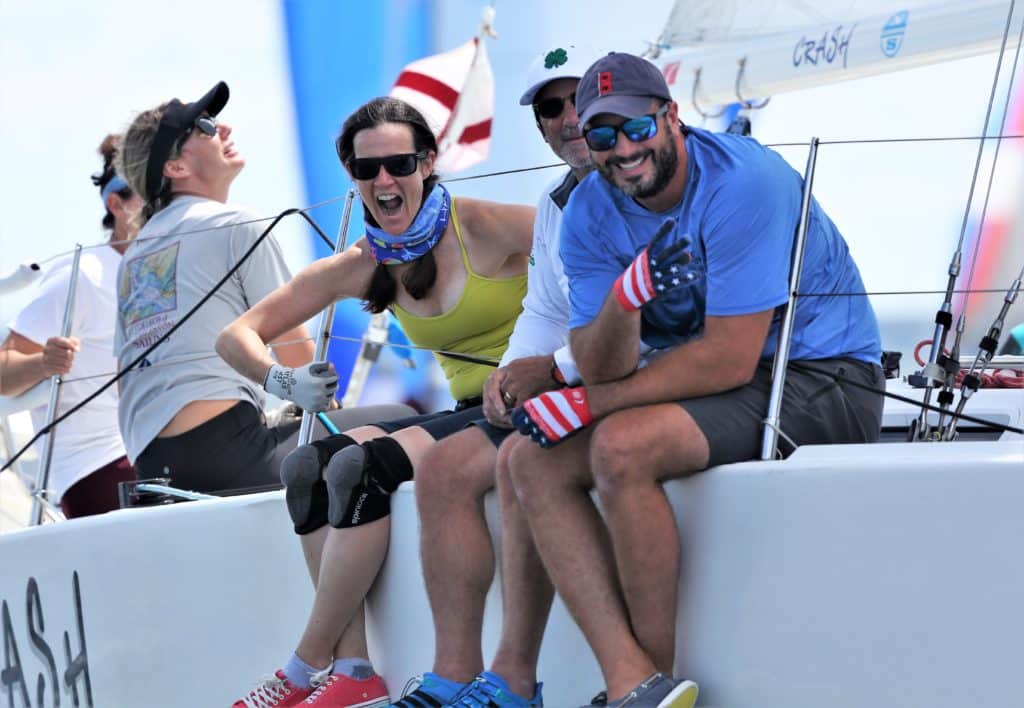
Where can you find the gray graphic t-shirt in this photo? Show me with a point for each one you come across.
(176, 259)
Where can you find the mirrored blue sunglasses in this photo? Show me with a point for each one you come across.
(604, 137)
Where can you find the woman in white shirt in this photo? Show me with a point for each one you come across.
(88, 455)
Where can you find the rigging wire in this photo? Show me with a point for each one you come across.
(939, 369)
(972, 381)
(995, 160)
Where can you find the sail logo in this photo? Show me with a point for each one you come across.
(892, 33)
(830, 47)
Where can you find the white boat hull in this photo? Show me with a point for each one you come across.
(883, 575)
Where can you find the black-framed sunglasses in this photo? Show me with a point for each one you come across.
(367, 168)
(604, 137)
(551, 108)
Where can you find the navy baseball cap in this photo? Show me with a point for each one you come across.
(177, 120)
(619, 83)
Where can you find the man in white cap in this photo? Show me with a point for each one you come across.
(458, 561)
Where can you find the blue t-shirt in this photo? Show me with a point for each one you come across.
(740, 210)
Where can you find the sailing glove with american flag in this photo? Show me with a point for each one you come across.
(551, 417)
(657, 269)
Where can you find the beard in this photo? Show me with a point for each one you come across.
(666, 162)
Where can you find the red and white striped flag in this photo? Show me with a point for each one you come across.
(455, 93)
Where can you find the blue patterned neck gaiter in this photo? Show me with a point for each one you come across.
(421, 236)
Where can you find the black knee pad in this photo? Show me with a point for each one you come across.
(387, 465)
(305, 488)
(360, 481)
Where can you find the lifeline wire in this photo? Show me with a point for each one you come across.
(302, 212)
(331, 200)
(858, 293)
(179, 362)
(912, 401)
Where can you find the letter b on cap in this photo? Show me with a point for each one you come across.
(604, 83)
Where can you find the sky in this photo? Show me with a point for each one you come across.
(72, 71)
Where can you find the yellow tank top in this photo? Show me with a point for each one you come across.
(480, 324)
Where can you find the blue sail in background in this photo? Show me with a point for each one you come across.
(341, 55)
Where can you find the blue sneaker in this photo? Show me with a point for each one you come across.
(433, 692)
(489, 690)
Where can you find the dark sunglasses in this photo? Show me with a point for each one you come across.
(366, 168)
(551, 108)
(207, 125)
(637, 130)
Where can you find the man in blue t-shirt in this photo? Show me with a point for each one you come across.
(681, 241)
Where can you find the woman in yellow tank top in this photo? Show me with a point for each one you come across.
(454, 274)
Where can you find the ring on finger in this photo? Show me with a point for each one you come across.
(507, 397)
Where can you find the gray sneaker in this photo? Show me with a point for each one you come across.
(659, 691)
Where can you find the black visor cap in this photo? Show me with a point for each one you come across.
(176, 121)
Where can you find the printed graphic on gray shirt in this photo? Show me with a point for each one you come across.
(147, 293)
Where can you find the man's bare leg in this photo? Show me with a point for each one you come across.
(526, 591)
(552, 486)
(630, 452)
(455, 546)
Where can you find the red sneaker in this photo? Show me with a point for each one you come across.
(341, 691)
(275, 692)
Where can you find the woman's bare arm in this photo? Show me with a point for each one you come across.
(280, 315)
(507, 226)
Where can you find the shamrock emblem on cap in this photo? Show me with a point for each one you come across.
(555, 57)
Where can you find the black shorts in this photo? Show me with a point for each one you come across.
(816, 409)
(444, 423)
(236, 450)
(495, 434)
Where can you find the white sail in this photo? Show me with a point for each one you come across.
(735, 49)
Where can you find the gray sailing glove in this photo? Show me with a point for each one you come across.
(311, 387)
